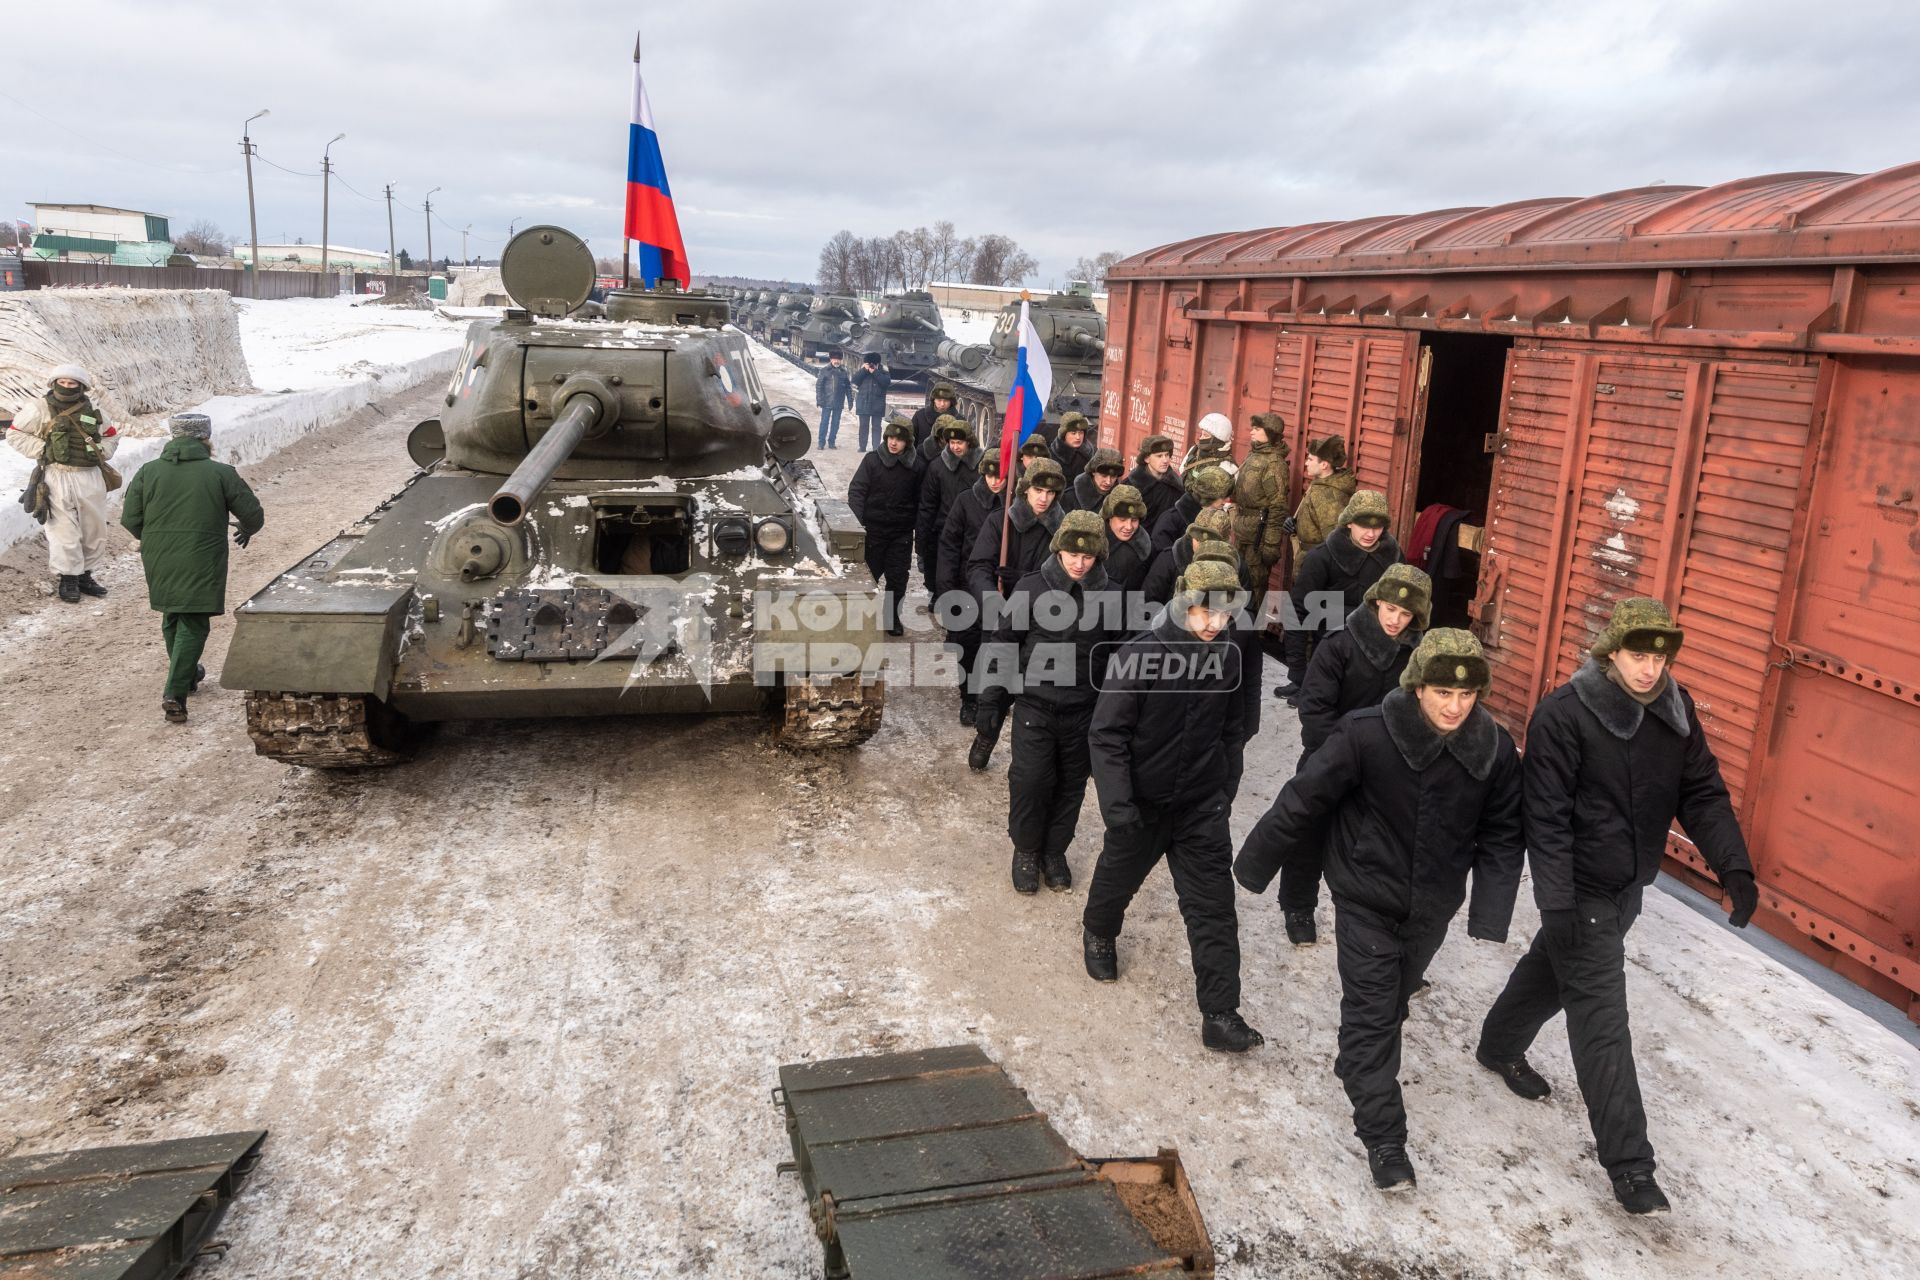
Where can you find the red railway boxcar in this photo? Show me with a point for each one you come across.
(1710, 395)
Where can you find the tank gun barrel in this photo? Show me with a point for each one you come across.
(509, 502)
(1084, 339)
(924, 323)
(961, 355)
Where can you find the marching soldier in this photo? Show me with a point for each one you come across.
(1153, 475)
(1352, 559)
(1169, 705)
(1613, 757)
(1129, 549)
(1170, 562)
(1205, 488)
(1407, 798)
(1041, 661)
(1260, 502)
(1070, 447)
(1005, 552)
(978, 506)
(950, 472)
(885, 497)
(1090, 488)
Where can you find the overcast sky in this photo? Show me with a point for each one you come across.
(781, 123)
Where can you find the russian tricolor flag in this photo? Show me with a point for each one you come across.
(650, 217)
(1027, 399)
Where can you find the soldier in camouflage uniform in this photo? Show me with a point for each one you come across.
(1212, 443)
(1260, 502)
(1330, 486)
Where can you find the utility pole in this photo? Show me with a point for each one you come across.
(393, 269)
(464, 259)
(253, 222)
(429, 205)
(326, 175)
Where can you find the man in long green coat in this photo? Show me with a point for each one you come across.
(178, 506)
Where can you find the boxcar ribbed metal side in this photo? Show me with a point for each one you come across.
(1711, 395)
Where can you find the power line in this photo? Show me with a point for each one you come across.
(101, 146)
(357, 191)
(298, 173)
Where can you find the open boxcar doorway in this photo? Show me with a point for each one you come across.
(1462, 381)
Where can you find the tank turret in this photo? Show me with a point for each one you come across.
(754, 319)
(790, 308)
(600, 508)
(831, 321)
(906, 329)
(1072, 331)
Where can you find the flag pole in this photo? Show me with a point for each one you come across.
(626, 245)
(1011, 472)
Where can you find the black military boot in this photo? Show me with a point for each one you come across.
(88, 587)
(69, 588)
(1638, 1193)
(1026, 873)
(1101, 955)
(1392, 1171)
(980, 753)
(174, 709)
(1055, 871)
(1300, 930)
(1286, 692)
(1519, 1076)
(969, 709)
(199, 674)
(1229, 1033)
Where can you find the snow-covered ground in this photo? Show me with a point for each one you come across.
(314, 361)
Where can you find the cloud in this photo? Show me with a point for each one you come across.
(1074, 129)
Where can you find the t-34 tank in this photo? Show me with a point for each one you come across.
(789, 310)
(834, 316)
(1075, 336)
(905, 329)
(609, 518)
(752, 315)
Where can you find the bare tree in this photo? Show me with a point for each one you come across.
(1094, 270)
(836, 263)
(1000, 261)
(204, 238)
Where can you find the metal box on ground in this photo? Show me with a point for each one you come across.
(933, 1164)
(140, 1212)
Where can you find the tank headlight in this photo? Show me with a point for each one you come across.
(773, 536)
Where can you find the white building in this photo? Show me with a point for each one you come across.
(100, 233)
(301, 256)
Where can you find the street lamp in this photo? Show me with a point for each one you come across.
(465, 261)
(429, 206)
(253, 223)
(326, 172)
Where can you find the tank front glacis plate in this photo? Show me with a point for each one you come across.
(689, 644)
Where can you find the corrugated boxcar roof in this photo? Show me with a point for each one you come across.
(1777, 217)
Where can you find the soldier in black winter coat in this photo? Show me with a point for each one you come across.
(1071, 448)
(1613, 757)
(1153, 475)
(1029, 532)
(1038, 669)
(1407, 798)
(953, 469)
(1129, 549)
(1352, 669)
(1169, 703)
(939, 404)
(1088, 490)
(955, 603)
(1206, 488)
(871, 383)
(885, 498)
(1170, 562)
(1352, 559)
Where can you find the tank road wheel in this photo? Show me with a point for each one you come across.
(826, 713)
(326, 730)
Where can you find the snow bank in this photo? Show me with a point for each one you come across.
(150, 350)
(327, 357)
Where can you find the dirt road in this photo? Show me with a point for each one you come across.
(513, 1009)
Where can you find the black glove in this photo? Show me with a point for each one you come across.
(1740, 888)
(987, 721)
(1558, 926)
(240, 536)
(1289, 526)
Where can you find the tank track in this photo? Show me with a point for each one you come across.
(325, 730)
(831, 714)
